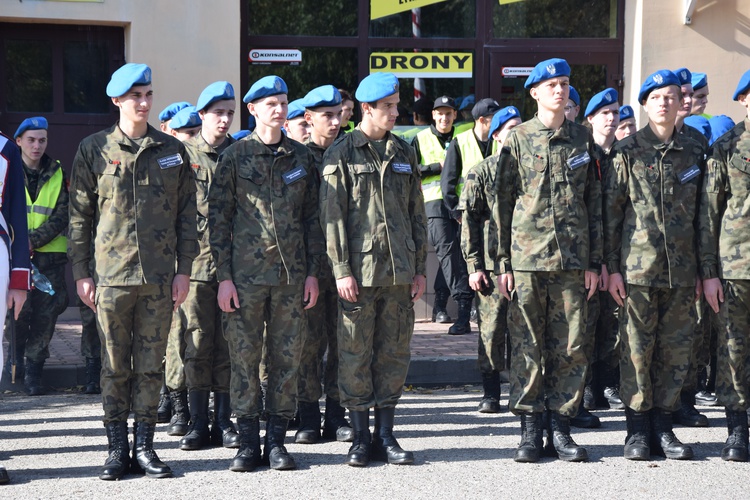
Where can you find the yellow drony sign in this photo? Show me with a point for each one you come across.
(423, 64)
(382, 8)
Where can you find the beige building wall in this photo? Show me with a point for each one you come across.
(716, 42)
(187, 44)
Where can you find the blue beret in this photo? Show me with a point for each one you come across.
(266, 86)
(128, 76)
(467, 102)
(603, 98)
(325, 95)
(660, 79)
(376, 86)
(742, 86)
(699, 80)
(502, 117)
(296, 109)
(171, 110)
(241, 134)
(684, 76)
(217, 91)
(626, 112)
(700, 123)
(720, 125)
(35, 123)
(574, 95)
(185, 118)
(551, 68)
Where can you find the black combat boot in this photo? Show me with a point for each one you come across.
(687, 415)
(145, 460)
(93, 376)
(663, 441)
(462, 325)
(118, 461)
(439, 309)
(490, 402)
(198, 436)
(178, 425)
(223, 432)
(560, 442)
(335, 425)
(385, 448)
(32, 377)
(703, 396)
(359, 451)
(248, 457)
(589, 400)
(530, 448)
(639, 435)
(275, 453)
(308, 431)
(735, 449)
(164, 410)
(584, 419)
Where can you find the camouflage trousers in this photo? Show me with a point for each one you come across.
(699, 356)
(278, 310)
(174, 368)
(492, 311)
(657, 326)
(733, 356)
(319, 334)
(91, 344)
(548, 338)
(36, 323)
(602, 329)
(133, 324)
(206, 360)
(374, 337)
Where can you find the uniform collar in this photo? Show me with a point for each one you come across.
(152, 137)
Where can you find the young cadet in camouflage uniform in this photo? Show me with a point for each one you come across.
(549, 254)
(323, 114)
(573, 107)
(266, 240)
(479, 238)
(206, 356)
(47, 205)
(372, 212)
(133, 193)
(650, 201)
(168, 113)
(724, 265)
(627, 124)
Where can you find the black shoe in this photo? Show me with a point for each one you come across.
(248, 457)
(490, 402)
(118, 460)
(164, 410)
(145, 460)
(4, 477)
(441, 317)
(439, 314)
(198, 436)
(612, 395)
(93, 376)
(530, 448)
(560, 442)
(589, 401)
(489, 405)
(223, 432)
(663, 441)
(687, 415)
(178, 425)
(639, 435)
(32, 377)
(462, 325)
(308, 431)
(335, 425)
(385, 448)
(359, 452)
(735, 449)
(274, 452)
(705, 398)
(584, 419)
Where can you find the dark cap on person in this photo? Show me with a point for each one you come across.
(325, 95)
(217, 91)
(376, 86)
(660, 79)
(444, 102)
(126, 77)
(265, 87)
(743, 86)
(35, 123)
(551, 68)
(485, 107)
(171, 110)
(603, 98)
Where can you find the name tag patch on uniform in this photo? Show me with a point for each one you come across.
(688, 174)
(402, 168)
(579, 160)
(294, 175)
(170, 161)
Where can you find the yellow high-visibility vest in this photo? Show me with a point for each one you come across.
(38, 212)
(432, 152)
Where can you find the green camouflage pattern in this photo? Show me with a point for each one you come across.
(492, 320)
(91, 344)
(319, 335)
(603, 325)
(733, 353)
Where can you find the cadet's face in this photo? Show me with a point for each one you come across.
(571, 110)
(218, 117)
(444, 118)
(383, 115)
(33, 144)
(662, 105)
(298, 129)
(347, 110)
(552, 94)
(502, 134)
(606, 119)
(184, 134)
(700, 99)
(271, 111)
(687, 101)
(135, 105)
(325, 120)
(625, 128)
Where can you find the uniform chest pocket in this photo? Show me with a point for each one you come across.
(108, 176)
(251, 177)
(363, 178)
(649, 173)
(644, 183)
(740, 173)
(201, 181)
(533, 169)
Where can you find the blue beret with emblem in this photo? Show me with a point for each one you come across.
(700, 123)
(502, 117)
(35, 123)
(660, 79)
(171, 110)
(185, 118)
(603, 98)
(266, 86)
(296, 109)
(217, 91)
(551, 68)
(376, 86)
(325, 95)
(699, 80)
(126, 77)
(626, 112)
(720, 125)
(743, 86)
(684, 76)
(241, 134)
(574, 95)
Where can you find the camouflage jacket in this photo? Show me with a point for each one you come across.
(57, 223)
(203, 160)
(478, 204)
(263, 214)
(550, 200)
(372, 211)
(137, 204)
(724, 214)
(650, 210)
(318, 152)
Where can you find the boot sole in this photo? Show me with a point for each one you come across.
(160, 475)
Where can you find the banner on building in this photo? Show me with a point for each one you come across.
(291, 57)
(423, 64)
(383, 8)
